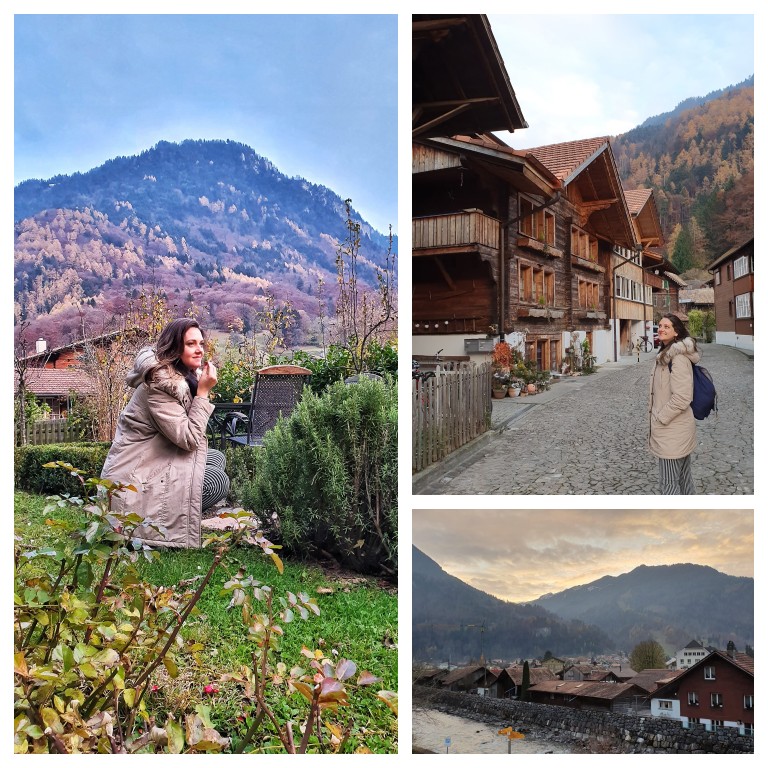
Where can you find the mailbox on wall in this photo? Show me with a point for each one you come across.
(478, 345)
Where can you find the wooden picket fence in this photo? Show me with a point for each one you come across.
(448, 411)
(49, 431)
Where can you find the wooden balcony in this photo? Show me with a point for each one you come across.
(469, 230)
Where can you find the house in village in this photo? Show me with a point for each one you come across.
(582, 672)
(538, 247)
(665, 281)
(734, 286)
(56, 388)
(693, 653)
(55, 376)
(514, 675)
(718, 691)
(477, 679)
(651, 679)
(600, 696)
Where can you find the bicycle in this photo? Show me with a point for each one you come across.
(645, 344)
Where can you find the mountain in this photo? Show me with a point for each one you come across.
(668, 603)
(209, 223)
(699, 159)
(454, 621)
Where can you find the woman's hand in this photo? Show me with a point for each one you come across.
(208, 379)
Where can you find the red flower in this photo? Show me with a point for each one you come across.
(209, 690)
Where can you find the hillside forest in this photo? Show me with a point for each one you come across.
(699, 160)
(209, 226)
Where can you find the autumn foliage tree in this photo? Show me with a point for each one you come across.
(363, 315)
(648, 654)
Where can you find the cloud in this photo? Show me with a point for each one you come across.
(519, 555)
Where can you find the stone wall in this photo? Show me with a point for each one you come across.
(609, 730)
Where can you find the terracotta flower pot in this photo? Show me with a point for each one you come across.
(531, 389)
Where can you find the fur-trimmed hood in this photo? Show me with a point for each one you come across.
(686, 346)
(145, 359)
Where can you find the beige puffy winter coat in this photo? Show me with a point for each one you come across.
(160, 447)
(673, 428)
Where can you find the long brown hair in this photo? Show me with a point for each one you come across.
(170, 346)
(680, 329)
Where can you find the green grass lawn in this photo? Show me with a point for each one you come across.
(357, 621)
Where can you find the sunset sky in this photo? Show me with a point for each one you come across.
(522, 554)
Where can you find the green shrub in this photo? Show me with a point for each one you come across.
(329, 475)
(241, 467)
(30, 475)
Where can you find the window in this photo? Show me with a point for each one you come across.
(741, 267)
(665, 705)
(693, 699)
(749, 701)
(589, 294)
(717, 277)
(727, 271)
(537, 285)
(709, 673)
(716, 700)
(539, 225)
(744, 305)
(583, 245)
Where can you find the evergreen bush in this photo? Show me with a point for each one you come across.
(327, 476)
(30, 474)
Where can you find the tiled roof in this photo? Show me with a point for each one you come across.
(675, 279)
(650, 679)
(56, 381)
(636, 199)
(697, 295)
(460, 674)
(563, 159)
(537, 674)
(744, 661)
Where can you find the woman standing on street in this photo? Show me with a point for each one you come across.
(672, 435)
(160, 446)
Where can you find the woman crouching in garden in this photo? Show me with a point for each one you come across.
(160, 446)
(672, 435)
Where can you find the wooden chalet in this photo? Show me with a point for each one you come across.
(666, 284)
(537, 247)
(57, 388)
(717, 691)
(476, 679)
(601, 696)
(734, 284)
(460, 84)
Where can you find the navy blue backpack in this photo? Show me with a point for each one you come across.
(704, 392)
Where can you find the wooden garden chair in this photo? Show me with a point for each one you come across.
(276, 391)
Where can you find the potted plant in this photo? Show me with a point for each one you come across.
(499, 384)
(515, 386)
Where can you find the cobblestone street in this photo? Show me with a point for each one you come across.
(588, 435)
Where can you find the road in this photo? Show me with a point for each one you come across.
(588, 435)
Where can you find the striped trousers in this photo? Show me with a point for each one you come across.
(675, 477)
(215, 479)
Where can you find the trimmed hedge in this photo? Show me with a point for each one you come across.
(30, 474)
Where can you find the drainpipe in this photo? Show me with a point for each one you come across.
(502, 271)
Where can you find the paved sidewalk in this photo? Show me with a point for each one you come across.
(588, 435)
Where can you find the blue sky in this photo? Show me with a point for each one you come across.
(316, 95)
(603, 74)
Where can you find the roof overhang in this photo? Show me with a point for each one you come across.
(460, 83)
(524, 172)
